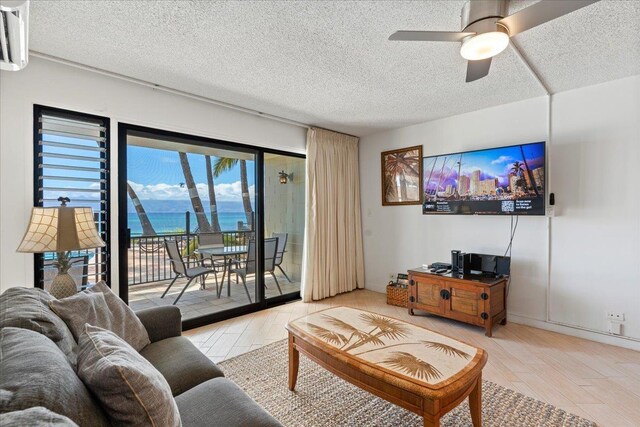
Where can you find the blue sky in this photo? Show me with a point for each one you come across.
(154, 174)
(157, 175)
(152, 166)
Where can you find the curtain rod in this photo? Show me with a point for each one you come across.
(166, 89)
(334, 131)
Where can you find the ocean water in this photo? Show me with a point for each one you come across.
(175, 222)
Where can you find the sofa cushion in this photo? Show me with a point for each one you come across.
(36, 373)
(100, 307)
(131, 390)
(181, 363)
(161, 322)
(37, 416)
(221, 400)
(28, 308)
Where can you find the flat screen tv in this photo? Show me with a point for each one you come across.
(495, 181)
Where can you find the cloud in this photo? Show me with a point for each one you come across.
(501, 159)
(225, 192)
(468, 170)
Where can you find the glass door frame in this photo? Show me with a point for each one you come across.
(262, 303)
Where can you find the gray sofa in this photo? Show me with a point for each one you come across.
(38, 368)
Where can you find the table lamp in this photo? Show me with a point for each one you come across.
(61, 229)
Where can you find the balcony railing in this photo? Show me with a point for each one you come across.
(149, 262)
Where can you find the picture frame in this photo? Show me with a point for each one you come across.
(401, 176)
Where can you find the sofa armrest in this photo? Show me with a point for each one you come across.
(161, 322)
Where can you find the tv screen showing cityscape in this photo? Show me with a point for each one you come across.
(495, 181)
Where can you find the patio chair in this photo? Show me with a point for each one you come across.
(181, 269)
(270, 249)
(282, 246)
(212, 240)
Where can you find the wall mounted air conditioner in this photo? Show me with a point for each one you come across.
(14, 34)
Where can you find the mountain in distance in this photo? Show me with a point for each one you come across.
(181, 206)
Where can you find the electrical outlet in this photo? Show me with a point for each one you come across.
(616, 316)
(615, 328)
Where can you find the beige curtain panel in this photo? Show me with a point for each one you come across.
(333, 258)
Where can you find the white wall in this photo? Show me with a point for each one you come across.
(56, 85)
(590, 251)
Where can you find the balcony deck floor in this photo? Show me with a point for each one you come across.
(196, 302)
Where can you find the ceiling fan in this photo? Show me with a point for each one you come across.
(486, 30)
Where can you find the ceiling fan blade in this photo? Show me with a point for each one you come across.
(429, 36)
(477, 69)
(541, 12)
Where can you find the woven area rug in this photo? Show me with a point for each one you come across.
(322, 399)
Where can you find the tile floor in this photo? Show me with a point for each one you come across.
(593, 380)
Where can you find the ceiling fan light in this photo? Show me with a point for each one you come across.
(485, 45)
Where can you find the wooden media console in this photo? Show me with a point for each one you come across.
(471, 298)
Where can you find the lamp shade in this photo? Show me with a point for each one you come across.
(60, 229)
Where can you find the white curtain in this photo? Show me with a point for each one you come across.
(333, 259)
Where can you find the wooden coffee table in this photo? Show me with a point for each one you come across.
(413, 367)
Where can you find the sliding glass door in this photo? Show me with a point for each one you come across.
(207, 225)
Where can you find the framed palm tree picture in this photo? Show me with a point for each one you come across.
(402, 176)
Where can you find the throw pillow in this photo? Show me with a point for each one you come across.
(98, 306)
(37, 416)
(28, 308)
(131, 390)
(34, 372)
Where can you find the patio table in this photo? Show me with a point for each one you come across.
(227, 252)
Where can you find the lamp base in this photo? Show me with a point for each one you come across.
(63, 286)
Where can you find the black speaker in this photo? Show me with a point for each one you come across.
(503, 267)
(464, 263)
(454, 260)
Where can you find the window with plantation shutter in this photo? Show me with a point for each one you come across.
(71, 159)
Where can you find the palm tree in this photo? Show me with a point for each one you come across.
(203, 222)
(528, 172)
(411, 365)
(215, 222)
(390, 188)
(517, 169)
(382, 327)
(224, 164)
(147, 228)
(399, 165)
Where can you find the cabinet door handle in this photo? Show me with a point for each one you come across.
(484, 296)
(484, 316)
(444, 294)
(412, 298)
(411, 282)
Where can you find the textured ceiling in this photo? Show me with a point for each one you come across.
(329, 63)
